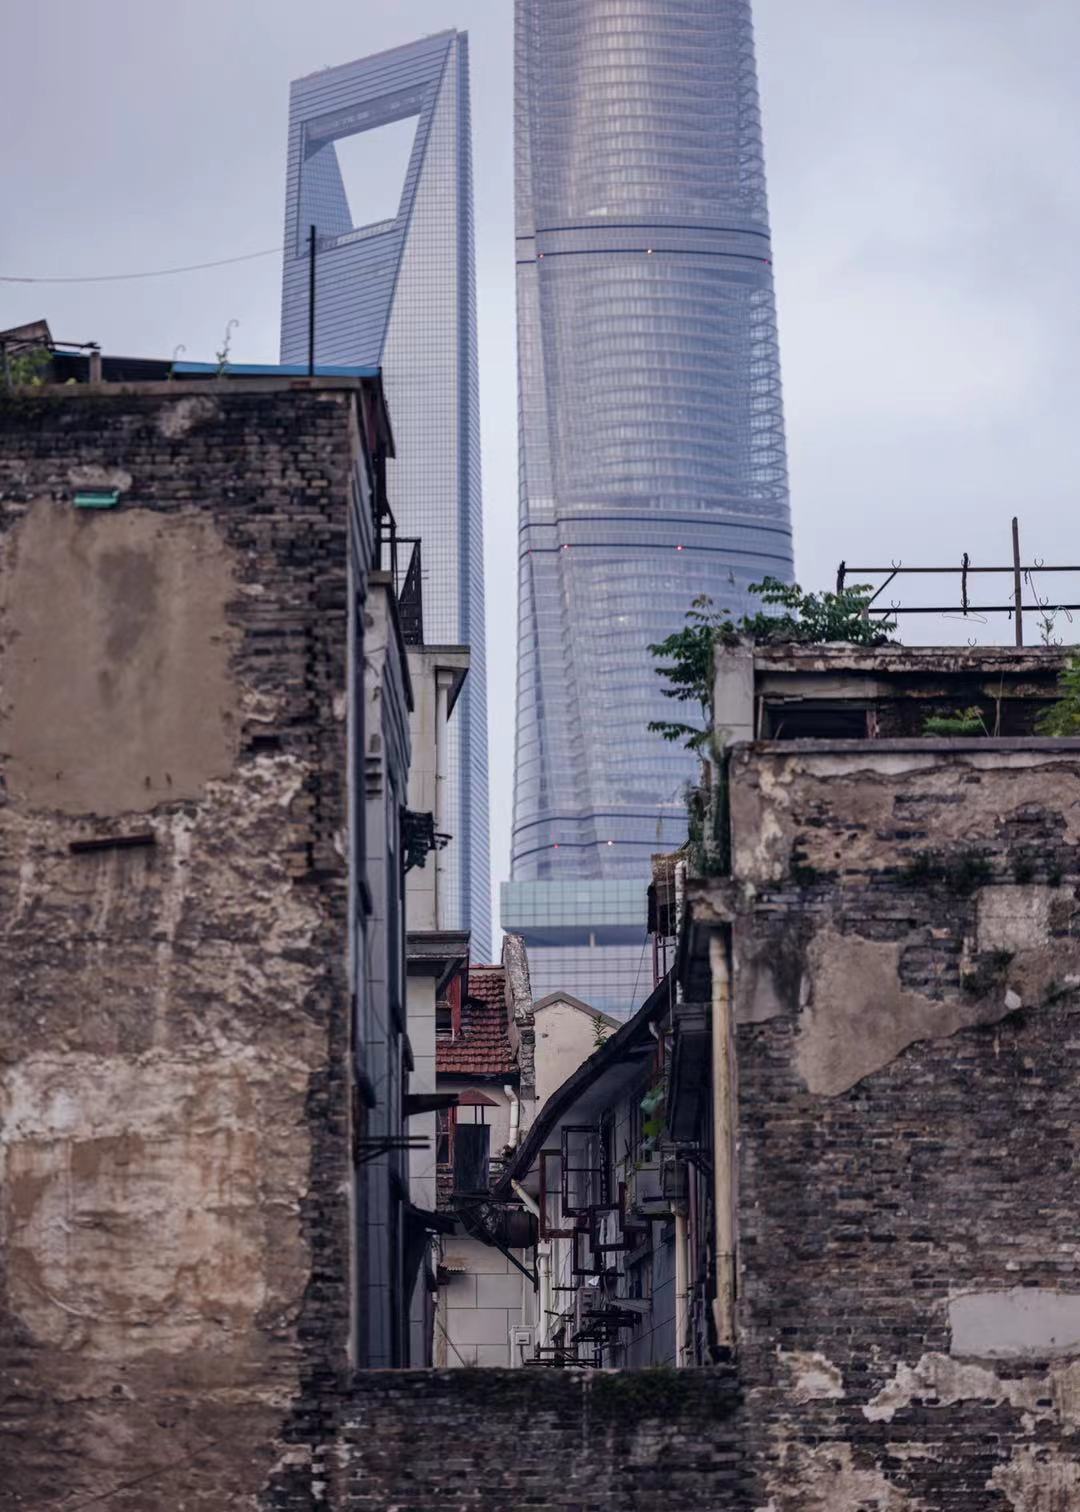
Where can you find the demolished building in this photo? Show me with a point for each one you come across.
(204, 833)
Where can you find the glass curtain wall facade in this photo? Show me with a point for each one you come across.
(400, 292)
(652, 463)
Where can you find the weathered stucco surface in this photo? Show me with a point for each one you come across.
(850, 814)
(172, 1012)
(907, 981)
(1022, 1323)
(116, 693)
(857, 1016)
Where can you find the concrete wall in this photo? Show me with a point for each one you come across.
(566, 1035)
(434, 671)
(173, 1014)
(907, 949)
(480, 1302)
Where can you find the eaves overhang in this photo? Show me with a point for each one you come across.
(594, 1086)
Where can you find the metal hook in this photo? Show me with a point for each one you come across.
(180, 347)
(897, 564)
(1039, 562)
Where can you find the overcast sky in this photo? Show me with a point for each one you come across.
(923, 160)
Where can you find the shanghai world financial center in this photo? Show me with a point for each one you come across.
(652, 459)
(396, 288)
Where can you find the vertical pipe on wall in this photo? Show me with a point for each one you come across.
(682, 1299)
(441, 739)
(723, 1140)
(311, 303)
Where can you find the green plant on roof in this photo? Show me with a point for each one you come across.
(222, 354)
(1063, 717)
(787, 614)
(652, 1105)
(960, 722)
(27, 369)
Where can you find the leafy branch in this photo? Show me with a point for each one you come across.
(787, 614)
(1063, 717)
(27, 368)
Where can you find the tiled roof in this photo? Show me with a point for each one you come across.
(482, 1047)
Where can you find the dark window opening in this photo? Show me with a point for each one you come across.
(815, 721)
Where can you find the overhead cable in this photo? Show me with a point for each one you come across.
(220, 262)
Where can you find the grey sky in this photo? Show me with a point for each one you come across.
(922, 159)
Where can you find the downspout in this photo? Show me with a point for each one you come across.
(543, 1279)
(543, 1323)
(682, 1229)
(723, 1140)
(682, 1299)
(441, 720)
(515, 1122)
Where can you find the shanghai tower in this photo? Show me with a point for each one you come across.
(396, 289)
(652, 456)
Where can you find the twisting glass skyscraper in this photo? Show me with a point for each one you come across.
(396, 287)
(652, 439)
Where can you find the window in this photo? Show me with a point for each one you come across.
(815, 721)
(444, 1021)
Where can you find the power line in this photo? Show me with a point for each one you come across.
(220, 262)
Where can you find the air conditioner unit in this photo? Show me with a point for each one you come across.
(588, 1302)
(522, 1343)
(674, 1178)
(644, 1189)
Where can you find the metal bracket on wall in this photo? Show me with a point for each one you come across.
(480, 1220)
(370, 1149)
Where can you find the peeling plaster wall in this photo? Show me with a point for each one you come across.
(907, 965)
(173, 1229)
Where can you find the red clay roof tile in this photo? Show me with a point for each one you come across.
(482, 1048)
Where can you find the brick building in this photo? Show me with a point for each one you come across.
(204, 728)
(880, 977)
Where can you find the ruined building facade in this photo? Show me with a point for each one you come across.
(205, 750)
(882, 947)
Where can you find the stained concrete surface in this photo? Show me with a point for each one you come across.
(115, 649)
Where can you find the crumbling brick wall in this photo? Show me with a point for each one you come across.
(548, 1440)
(907, 953)
(173, 1225)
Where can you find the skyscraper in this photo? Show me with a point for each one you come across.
(396, 287)
(653, 463)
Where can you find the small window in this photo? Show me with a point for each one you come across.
(815, 721)
(444, 1021)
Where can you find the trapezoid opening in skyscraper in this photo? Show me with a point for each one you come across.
(396, 288)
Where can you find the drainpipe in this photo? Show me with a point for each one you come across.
(441, 721)
(682, 1297)
(515, 1119)
(543, 1323)
(723, 1140)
